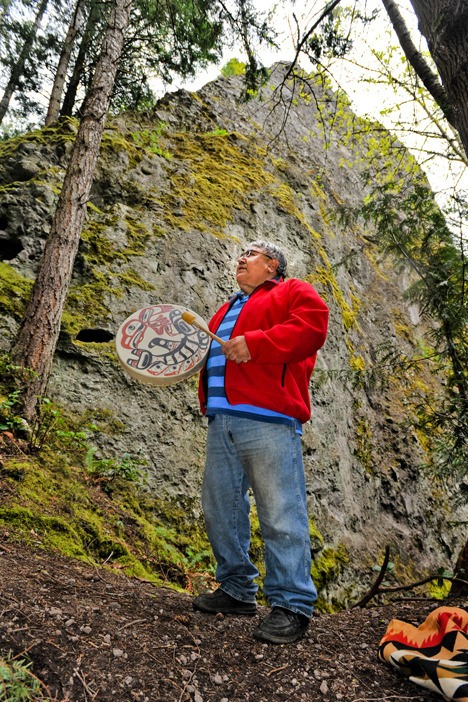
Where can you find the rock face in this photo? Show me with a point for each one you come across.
(177, 194)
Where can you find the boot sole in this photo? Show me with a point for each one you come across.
(271, 638)
(207, 610)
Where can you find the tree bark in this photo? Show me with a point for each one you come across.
(61, 72)
(18, 68)
(444, 24)
(37, 337)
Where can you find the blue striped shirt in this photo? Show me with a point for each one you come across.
(217, 401)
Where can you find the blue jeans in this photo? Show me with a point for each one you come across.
(243, 453)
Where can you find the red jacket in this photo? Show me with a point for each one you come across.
(284, 324)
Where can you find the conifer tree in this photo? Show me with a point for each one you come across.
(37, 337)
(19, 65)
(63, 62)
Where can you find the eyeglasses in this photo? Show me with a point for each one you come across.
(248, 253)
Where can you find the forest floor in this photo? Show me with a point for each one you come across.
(93, 634)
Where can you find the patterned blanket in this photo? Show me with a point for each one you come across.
(433, 655)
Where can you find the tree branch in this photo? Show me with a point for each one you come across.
(377, 590)
(375, 587)
(429, 79)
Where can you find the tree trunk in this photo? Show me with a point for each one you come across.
(35, 343)
(64, 60)
(444, 24)
(4, 11)
(78, 69)
(429, 79)
(18, 68)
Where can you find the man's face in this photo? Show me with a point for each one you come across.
(253, 268)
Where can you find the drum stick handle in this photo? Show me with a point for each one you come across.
(191, 320)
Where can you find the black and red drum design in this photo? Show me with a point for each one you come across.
(156, 346)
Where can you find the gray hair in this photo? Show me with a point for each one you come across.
(275, 252)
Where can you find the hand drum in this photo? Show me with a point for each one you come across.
(156, 346)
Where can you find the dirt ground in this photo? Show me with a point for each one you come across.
(96, 635)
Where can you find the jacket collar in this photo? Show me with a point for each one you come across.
(271, 281)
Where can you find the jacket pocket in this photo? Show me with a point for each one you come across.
(283, 375)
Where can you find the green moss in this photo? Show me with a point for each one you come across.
(136, 144)
(36, 528)
(438, 591)
(357, 363)
(15, 291)
(326, 569)
(131, 279)
(64, 131)
(316, 537)
(54, 502)
(137, 236)
(349, 312)
(87, 304)
(149, 139)
(363, 443)
(87, 300)
(218, 178)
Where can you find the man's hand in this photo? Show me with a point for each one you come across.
(237, 350)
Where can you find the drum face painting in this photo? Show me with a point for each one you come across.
(155, 345)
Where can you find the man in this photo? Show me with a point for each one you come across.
(254, 391)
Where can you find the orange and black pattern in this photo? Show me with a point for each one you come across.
(433, 655)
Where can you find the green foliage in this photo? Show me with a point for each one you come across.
(332, 38)
(233, 67)
(25, 48)
(219, 132)
(414, 230)
(13, 378)
(10, 420)
(18, 683)
(164, 40)
(149, 139)
(108, 469)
